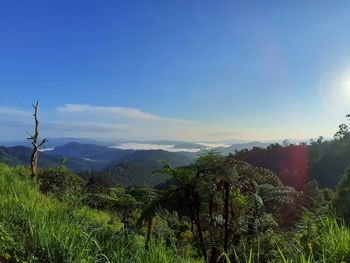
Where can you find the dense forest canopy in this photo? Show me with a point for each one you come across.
(296, 164)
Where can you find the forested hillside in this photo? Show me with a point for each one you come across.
(321, 160)
(272, 204)
(137, 168)
(119, 167)
(219, 209)
(20, 155)
(91, 152)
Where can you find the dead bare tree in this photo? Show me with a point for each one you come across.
(35, 142)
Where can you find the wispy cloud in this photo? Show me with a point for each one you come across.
(84, 127)
(132, 113)
(11, 111)
(114, 122)
(148, 146)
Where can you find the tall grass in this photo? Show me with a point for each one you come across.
(332, 241)
(36, 228)
(328, 241)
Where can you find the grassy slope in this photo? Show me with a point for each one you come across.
(36, 228)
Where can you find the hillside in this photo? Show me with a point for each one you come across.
(174, 158)
(137, 168)
(323, 161)
(92, 152)
(62, 219)
(123, 167)
(240, 146)
(133, 173)
(58, 231)
(290, 163)
(20, 155)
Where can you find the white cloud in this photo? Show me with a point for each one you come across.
(166, 147)
(11, 111)
(214, 145)
(85, 127)
(148, 146)
(87, 121)
(131, 113)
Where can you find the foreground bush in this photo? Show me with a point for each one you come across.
(60, 183)
(37, 228)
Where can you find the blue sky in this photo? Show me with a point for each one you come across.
(192, 70)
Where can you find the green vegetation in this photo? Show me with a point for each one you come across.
(118, 167)
(320, 160)
(38, 228)
(217, 209)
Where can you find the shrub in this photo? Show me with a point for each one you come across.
(60, 183)
(342, 196)
(98, 219)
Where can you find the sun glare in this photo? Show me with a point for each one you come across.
(335, 91)
(346, 87)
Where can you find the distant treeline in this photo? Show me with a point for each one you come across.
(321, 160)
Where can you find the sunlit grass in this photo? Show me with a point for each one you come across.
(37, 228)
(45, 230)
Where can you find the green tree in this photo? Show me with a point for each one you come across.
(219, 195)
(342, 196)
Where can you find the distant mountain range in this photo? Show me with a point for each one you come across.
(120, 166)
(240, 146)
(89, 152)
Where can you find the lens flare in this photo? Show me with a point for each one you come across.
(335, 91)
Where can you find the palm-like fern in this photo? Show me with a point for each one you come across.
(276, 197)
(111, 200)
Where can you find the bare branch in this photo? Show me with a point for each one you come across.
(43, 142)
(30, 137)
(34, 138)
